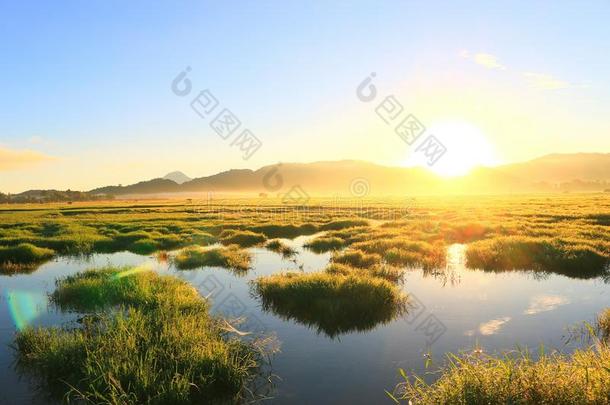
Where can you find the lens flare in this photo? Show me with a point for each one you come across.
(25, 306)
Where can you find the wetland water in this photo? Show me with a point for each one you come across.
(494, 310)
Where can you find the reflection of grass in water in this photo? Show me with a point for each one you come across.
(24, 257)
(161, 346)
(332, 303)
(569, 257)
(277, 246)
(603, 322)
(230, 257)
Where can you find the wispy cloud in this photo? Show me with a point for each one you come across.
(544, 303)
(488, 60)
(541, 81)
(492, 327)
(545, 82)
(484, 59)
(18, 159)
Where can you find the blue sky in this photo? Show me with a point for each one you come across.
(86, 97)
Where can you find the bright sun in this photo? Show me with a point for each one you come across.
(466, 145)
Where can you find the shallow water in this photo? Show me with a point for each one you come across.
(454, 310)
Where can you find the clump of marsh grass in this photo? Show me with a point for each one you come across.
(515, 378)
(603, 323)
(161, 346)
(568, 257)
(284, 231)
(115, 241)
(97, 289)
(352, 235)
(324, 244)
(357, 258)
(467, 232)
(336, 225)
(230, 257)
(242, 238)
(202, 238)
(331, 303)
(167, 242)
(399, 251)
(277, 246)
(23, 257)
(144, 246)
(380, 270)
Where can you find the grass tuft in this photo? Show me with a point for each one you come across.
(230, 257)
(98, 289)
(381, 271)
(242, 238)
(603, 322)
(324, 244)
(529, 253)
(357, 258)
(331, 303)
(23, 257)
(160, 347)
(516, 378)
(400, 251)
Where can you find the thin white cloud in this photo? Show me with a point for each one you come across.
(545, 303)
(484, 59)
(11, 159)
(488, 60)
(492, 327)
(545, 82)
(541, 81)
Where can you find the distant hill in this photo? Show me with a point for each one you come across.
(556, 172)
(144, 187)
(177, 177)
(557, 168)
(47, 196)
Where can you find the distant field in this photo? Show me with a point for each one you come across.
(552, 232)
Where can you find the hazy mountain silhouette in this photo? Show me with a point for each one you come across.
(177, 177)
(556, 172)
(563, 167)
(143, 187)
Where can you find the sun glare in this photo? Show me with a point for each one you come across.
(467, 147)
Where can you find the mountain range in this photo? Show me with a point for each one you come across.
(555, 172)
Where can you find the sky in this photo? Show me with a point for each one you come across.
(87, 95)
